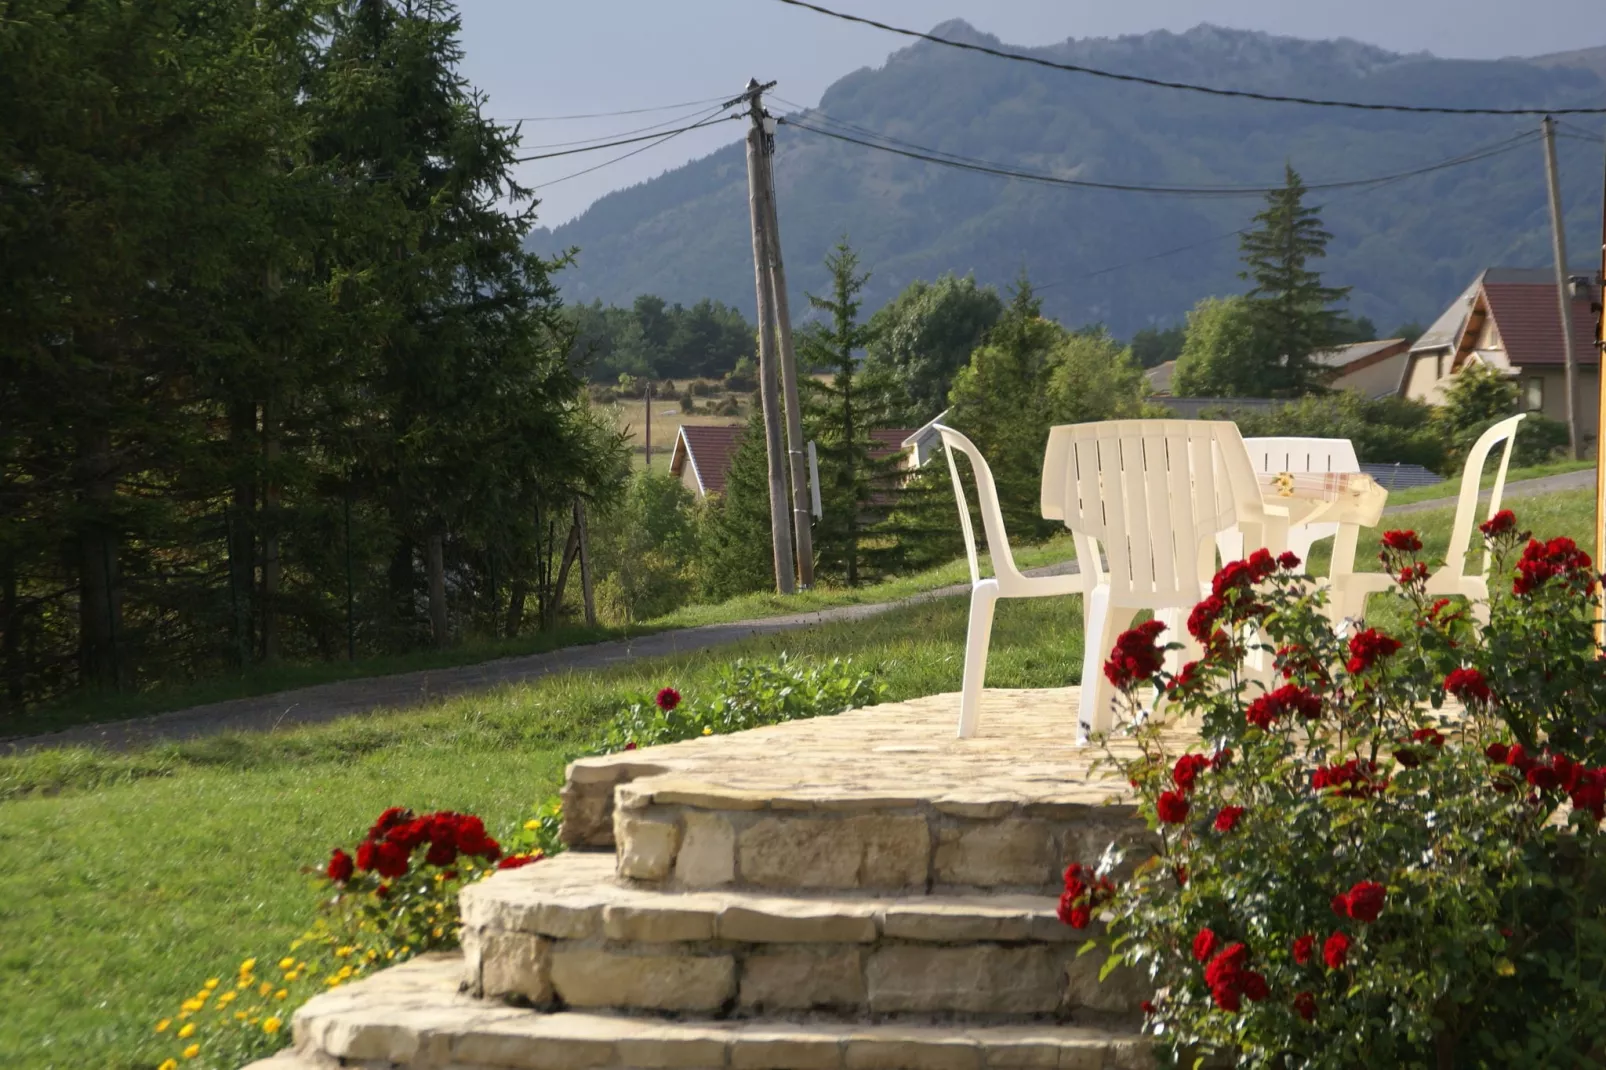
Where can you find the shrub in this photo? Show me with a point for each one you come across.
(1387, 430)
(1348, 874)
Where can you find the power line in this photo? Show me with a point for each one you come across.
(617, 134)
(665, 135)
(661, 138)
(1190, 87)
(610, 114)
(965, 163)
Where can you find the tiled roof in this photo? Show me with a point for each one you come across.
(1527, 317)
(1342, 357)
(887, 441)
(710, 451)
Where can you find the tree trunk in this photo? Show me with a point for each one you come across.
(436, 563)
(242, 539)
(571, 551)
(587, 590)
(271, 448)
(99, 601)
(10, 634)
(515, 607)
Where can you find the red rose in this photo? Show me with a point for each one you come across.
(409, 834)
(1262, 713)
(382, 892)
(1303, 948)
(1468, 685)
(1517, 758)
(1543, 777)
(1135, 657)
(1431, 736)
(1503, 521)
(390, 859)
(1412, 574)
(340, 868)
(519, 861)
(1181, 874)
(1288, 560)
(1229, 979)
(1078, 916)
(1365, 901)
(1255, 987)
(1405, 542)
(1261, 564)
(1172, 807)
(631, 745)
(1367, 648)
(1335, 950)
(1353, 779)
(1305, 1006)
(1147, 1007)
(1227, 999)
(1204, 945)
(393, 816)
(667, 699)
(441, 854)
(1227, 818)
(1202, 621)
(1339, 904)
(471, 838)
(367, 856)
(1234, 576)
(1589, 795)
(1187, 770)
(1221, 759)
(1496, 752)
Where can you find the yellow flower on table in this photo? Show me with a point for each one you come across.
(192, 1051)
(1284, 484)
(187, 1032)
(271, 1025)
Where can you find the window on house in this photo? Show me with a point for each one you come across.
(1534, 395)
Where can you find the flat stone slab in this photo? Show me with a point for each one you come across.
(900, 755)
(412, 1016)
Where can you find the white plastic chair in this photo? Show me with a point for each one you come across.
(1350, 588)
(1154, 495)
(1269, 456)
(1007, 581)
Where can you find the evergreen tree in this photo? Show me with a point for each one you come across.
(736, 555)
(1288, 298)
(839, 420)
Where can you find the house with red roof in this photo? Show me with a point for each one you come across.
(703, 455)
(1509, 319)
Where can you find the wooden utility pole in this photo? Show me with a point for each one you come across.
(757, 198)
(1600, 414)
(1558, 245)
(646, 402)
(801, 518)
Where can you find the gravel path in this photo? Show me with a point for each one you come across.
(345, 698)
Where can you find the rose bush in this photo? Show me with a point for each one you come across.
(1349, 872)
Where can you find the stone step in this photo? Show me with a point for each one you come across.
(679, 833)
(566, 933)
(412, 1017)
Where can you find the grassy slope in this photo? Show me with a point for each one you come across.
(1451, 487)
(146, 873)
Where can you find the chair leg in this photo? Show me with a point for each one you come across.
(1105, 624)
(983, 599)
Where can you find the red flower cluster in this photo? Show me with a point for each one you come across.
(1354, 779)
(1499, 524)
(1411, 575)
(1585, 787)
(1187, 770)
(1544, 561)
(390, 843)
(1274, 705)
(1238, 576)
(1227, 818)
(1469, 686)
(1404, 542)
(1135, 657)
(1172, 807)
(1369, 647)
(1084, 893)
(1335, 950)
(1305, 1006)
(1362, 903)
(1230, 978)
(1304, 947)
(520, 861)
(1411, 757)
(341, 868)
(667, 699)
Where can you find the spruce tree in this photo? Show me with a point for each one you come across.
(1289, 302)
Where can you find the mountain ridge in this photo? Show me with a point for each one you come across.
(1407, 248)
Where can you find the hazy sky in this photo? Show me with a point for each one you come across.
(538, 58)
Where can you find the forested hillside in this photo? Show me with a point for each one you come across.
(1406, 247)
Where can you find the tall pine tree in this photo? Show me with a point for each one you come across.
(1289, 302)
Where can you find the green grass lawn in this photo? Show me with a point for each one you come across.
(1451, 487)
(126, 880)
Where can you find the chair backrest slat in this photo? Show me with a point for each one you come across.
(1466, 508)
(992, 518)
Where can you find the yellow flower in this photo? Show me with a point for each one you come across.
(342, 952)
(187, 1032)
(211, 983)
(264, 988)
(292, 975)
(226, 998)
(168, 1064)
(286, 963)
(437, 932)
(161, 1026)
(372, 954)
(345, 972)
(531, 825)
(192, 1051)
(334, 979)
(190, 1006)
(248, 965)
(707, 731)
(281, 994)
(271, 1025)
(239, 1016)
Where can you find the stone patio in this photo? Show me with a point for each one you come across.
(864, 890)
